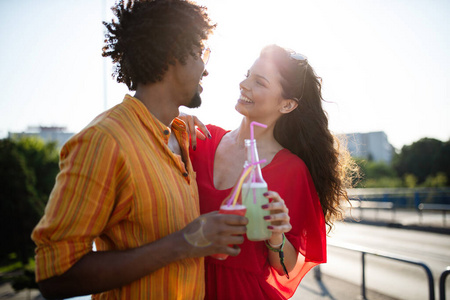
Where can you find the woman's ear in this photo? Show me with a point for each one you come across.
(288, 105)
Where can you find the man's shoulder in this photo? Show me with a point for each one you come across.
(109, 125)
(118, 120)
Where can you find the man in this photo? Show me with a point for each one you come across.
(126, 181)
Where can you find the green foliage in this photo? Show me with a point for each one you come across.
(11, 267)
(28, 169)
(443, 161)
(425, 163)
(410, 180)
(379, 170)
(14, 265)
(383, 182)
(440, 180)
(24, 281)
(42, 158)
(424, 158)
(377, 175)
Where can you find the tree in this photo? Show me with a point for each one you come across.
(422, 159)
(28, 167)
(17, 196)
(440, 180)
(379, 170)
(443, 161)
(377, 174)
(425, 163)
(410, 181)
(42, 159)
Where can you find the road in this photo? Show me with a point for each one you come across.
(395, 279)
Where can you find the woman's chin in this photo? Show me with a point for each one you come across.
(241, 109)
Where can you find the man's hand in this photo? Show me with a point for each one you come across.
(214, 233)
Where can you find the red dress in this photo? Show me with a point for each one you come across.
(249, 275)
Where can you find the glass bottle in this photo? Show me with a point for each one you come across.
(253, 198)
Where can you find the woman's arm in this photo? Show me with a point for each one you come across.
(280, 223)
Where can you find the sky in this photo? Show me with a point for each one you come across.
(385, 64)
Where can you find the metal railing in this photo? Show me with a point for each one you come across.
(403, 197)
(442, 283)
(365, 251)
(434, 207)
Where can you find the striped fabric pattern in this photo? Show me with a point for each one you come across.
(121, 186)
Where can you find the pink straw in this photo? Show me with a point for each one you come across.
(252, 139)
(252, 136)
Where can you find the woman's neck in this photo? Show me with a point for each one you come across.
(264, 136)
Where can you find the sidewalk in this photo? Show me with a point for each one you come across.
(331, 288)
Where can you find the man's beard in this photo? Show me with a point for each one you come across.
(196, 101)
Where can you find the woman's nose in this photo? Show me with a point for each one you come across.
(242, 85)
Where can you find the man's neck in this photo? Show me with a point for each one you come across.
(159, 100)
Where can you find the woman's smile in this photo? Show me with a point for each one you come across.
(244, 99)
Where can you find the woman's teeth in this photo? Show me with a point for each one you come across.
(245, 99)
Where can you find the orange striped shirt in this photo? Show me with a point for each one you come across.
(122, 187)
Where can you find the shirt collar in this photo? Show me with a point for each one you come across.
(150, 121)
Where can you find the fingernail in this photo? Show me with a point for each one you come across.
(265, 206)
(194, 148)
(209, 136)
(266, 194)
(266, 217)
(269, 227)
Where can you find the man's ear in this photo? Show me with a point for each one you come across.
(288, 105)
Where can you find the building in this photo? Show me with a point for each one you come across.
(371, 146)
(48, 134)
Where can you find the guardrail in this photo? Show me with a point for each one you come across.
(365, 251)
(442, 283)
(444, 208)
(373, 205)
(402, 197)
(422, 200)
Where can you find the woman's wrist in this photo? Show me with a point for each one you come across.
(276, 240)
(280, 253)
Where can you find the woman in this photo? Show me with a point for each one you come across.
(302, 165)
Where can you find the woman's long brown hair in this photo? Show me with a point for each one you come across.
(305, 133)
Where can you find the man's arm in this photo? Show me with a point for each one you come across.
(101, 271)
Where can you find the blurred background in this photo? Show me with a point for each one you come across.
(385, 67)
(385, 64)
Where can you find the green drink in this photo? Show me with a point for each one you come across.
(253, 199)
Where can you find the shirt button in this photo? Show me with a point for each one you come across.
(185, 174)
(166, 132)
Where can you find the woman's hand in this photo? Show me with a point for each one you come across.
(192, 122)
(279, 223)
(279, 217)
